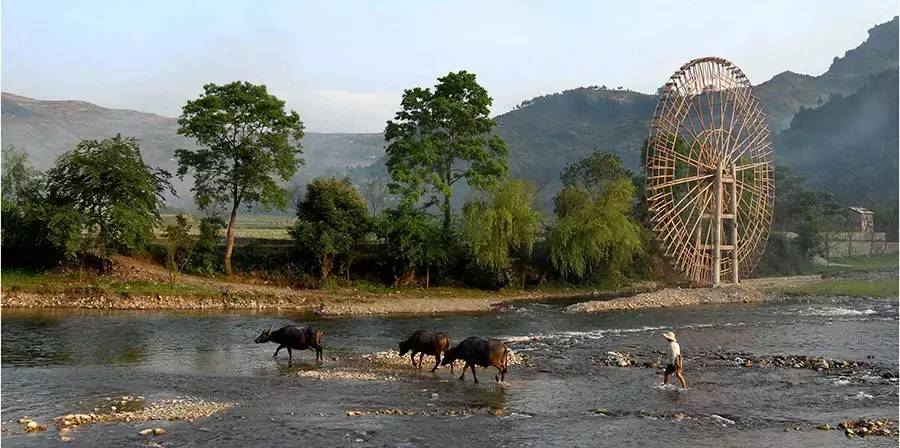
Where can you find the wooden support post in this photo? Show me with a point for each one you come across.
(717, 222)
(735, 265)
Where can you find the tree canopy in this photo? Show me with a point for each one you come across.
(501, 228)
(442, 136)
(115, 194)
(246, 139)
(595, 227)
(410, 239)
(332, 219)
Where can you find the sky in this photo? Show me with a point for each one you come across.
(343, 65)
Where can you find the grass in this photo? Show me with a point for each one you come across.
(848, 287)
(56, 282)
(246, 226)
(871, 263)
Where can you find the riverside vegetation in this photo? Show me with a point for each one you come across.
(63, 229)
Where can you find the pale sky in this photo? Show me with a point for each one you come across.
(343, 65)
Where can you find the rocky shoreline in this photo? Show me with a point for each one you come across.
(318, 302)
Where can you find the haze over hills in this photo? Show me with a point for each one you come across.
(784, 94)
(543, 134)
(46, 129)
(849, 145)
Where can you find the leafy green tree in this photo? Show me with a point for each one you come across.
(502, 229)
(116, 195)
(179, 246)
(410, 239)
(811, 214)
(35, 233)
(331, 221)
(205, 255)
(442, 136)
(246, 138)
(21, 182)
(595, 227)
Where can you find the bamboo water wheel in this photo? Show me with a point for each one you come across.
(710, 187)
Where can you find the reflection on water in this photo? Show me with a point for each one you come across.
(57, 362)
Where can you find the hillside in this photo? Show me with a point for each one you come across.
(46, 129)
(784, 95)
(849, 145)
(549, 132)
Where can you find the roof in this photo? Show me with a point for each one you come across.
(862, 210)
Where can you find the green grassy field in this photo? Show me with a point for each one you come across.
(873, 263)
(55, 282)
(246, 226)
(848, 287)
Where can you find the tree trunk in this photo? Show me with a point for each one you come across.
(447, 215)
(427, 277)
(325, 269)
(229, 245)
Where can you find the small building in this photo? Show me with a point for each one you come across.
(861, 220)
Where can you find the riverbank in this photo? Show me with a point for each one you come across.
(748, 291)
(138, 285)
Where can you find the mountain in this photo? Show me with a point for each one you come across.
(543, 134)
(46, 129)
(784, 95)
(849, 145)
(549, 132)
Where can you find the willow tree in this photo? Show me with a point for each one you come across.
(501, 229)
(246, 139)
(595, 225)
(440, 137)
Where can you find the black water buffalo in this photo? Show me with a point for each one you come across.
(426, 343)
(294, 337)
(476, 351)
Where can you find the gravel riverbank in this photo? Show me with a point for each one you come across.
(749, 291)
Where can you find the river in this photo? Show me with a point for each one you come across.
(64, 361)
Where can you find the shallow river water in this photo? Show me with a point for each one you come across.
(60, 362)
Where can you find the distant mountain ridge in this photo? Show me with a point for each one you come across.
(46, 129)
(784, 94)
(848, 146)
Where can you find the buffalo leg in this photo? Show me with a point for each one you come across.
(421, 355)
(473, 373)
(463, 376)
(277, 350)
(412, 357)
(437, 362)
(290, 354)
(319, 356)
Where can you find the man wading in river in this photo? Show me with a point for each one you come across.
(676, 362)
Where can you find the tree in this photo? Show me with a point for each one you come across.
(410, 239)
(812, 214)
(21, 182)
(502, 228)
(595, 225)
(116, 195)
(179, 246)
(443, 136)
(331, 221)
(246, 138)
(35, 232)
(375, 191)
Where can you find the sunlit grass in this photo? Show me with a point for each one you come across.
(848, 287)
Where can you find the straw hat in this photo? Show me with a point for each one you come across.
(669, 335)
